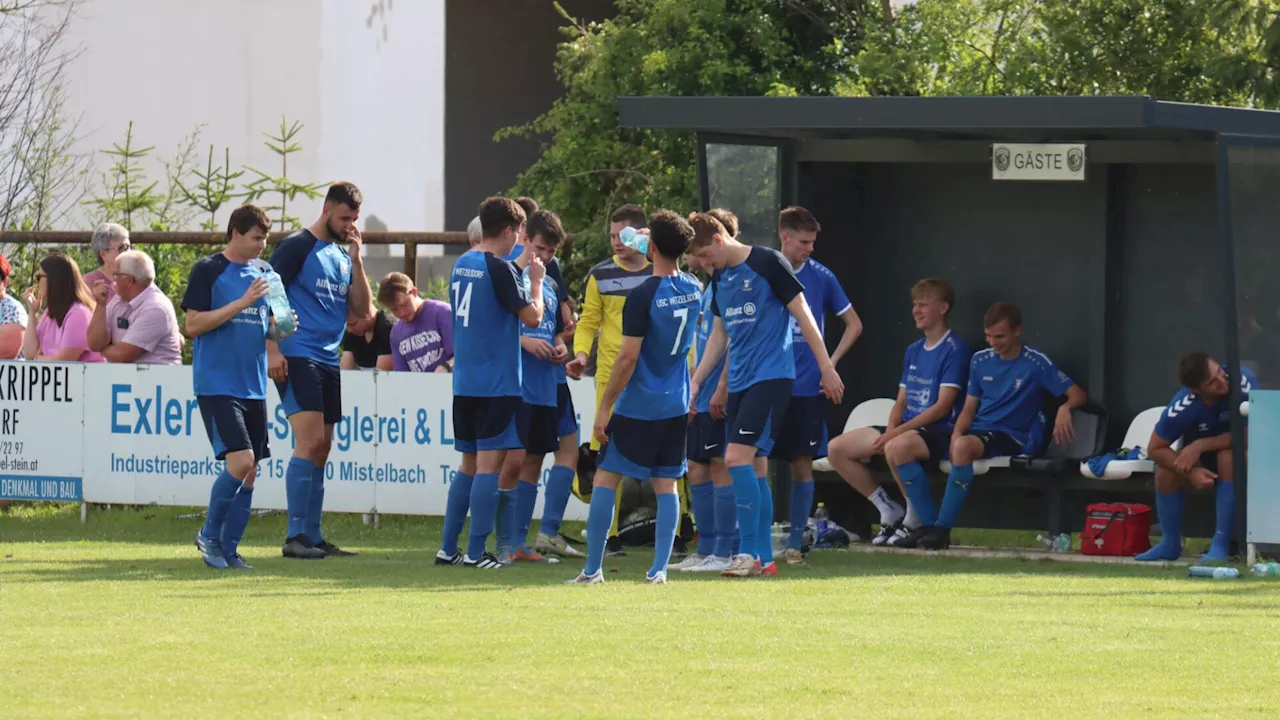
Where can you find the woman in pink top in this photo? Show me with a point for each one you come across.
(61, 332)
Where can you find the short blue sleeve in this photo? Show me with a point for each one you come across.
(774, 268)
(199, 294)
(837, 301)
(1053, 379)
(291, 254)
(636, 310)
(507, 284)
(975, 387)
(715, 302)
(906, 364)
(1178, 418)
(954, 371)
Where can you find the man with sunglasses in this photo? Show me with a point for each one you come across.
(138, 325)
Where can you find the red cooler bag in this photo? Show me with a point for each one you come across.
(1116, 529)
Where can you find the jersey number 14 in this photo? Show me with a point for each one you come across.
(462, 305)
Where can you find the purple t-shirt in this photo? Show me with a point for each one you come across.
(100, 276)
(421, 344)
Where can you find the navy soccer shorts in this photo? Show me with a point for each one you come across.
(568, 423)
(486, 423)
(645, 449)
(996, 443)
(754, 416)
(804, 431)
(537, 428)
(312, 386)
(706, 438)
(235, 424)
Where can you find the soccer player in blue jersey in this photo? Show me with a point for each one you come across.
(325, 283)
(490, 303)
(227, 316)
(1200, 417)
(755, 297)
(649, 394)
(935, 373)
(547, 419)
(710, 487)
(1001, 416)
(803, 436)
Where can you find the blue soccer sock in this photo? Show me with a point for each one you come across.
(801, 503)
(747, 501)
(220, 497)
(665, 533)
(764, 531)
(556, 499)
(455, 511)
(1224, 493)
(1169, 507)
(526, 500)
(236, 522)
(484, 503)
(505, 518)
(958, 484)
(297, 493)
(315, 506)
(703, 498)
(726, 521)
(916, 482)
(599, 518)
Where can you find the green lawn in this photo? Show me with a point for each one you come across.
(118, 618)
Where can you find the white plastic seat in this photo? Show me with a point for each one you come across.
(1138, 434)
(980, 467)
(869, 413)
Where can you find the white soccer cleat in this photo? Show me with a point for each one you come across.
(689, 562)
(659, 579)
(584, 579)
(742, 565)
(710, 564)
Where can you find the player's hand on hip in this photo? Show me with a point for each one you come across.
(719, 401)
(832, 385)
(277, 365)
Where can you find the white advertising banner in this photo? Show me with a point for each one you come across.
(144, 440)
(41, 410)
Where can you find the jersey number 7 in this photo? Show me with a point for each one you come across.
(683, 314)
(462, 305)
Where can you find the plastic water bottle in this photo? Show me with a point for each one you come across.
(1267, 569)
(1217, 573)
(1059, 543)
(821, 522)
(634, 240)
(277, 298)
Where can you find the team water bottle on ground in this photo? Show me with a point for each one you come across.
(1059, 543)
(1266, 569)
(276, 297)
(821, 522)
(1217, 573)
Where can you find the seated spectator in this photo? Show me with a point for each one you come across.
(367, 343)
(1002, 416)
(108, 241)
(13, 317)
(138, 325)
(1200, 416)
(422, 339)
(61, 332)
(935, 372)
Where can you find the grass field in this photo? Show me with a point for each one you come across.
(118, 618)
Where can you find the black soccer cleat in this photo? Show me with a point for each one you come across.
(331, 550)
(454, 559)
(613, 547)
(938, 539)
(913, 538)
(487, 561)
(299, 547)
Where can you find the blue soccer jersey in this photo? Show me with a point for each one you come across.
(926, 370)
(317, 277)
(1012, 394)
(487, 295)
(707, 323)
(1188, 416)
(542, 376)
(825, 297)
(663, 311)
(751, 298)
(231, 359)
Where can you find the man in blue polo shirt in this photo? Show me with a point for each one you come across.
(1002, 416)
(804, 432)
(756, 295)
(645, 436)
(1200, 416)
(325, 284)
(227, 316)
(490, 303)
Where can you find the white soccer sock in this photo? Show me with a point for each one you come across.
(912, 520)
(890, 511)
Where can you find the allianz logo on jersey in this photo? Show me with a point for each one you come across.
(749, 309)
(252, 315)
(326, 284)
